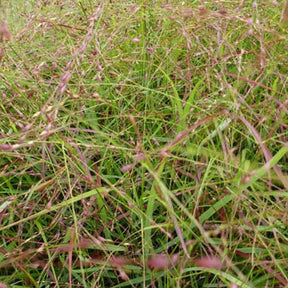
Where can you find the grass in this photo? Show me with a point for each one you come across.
(143, 144)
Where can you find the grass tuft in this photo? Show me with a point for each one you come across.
(143, 144)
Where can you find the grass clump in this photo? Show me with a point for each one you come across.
(143, 144)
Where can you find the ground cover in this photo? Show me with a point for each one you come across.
(143, 144)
